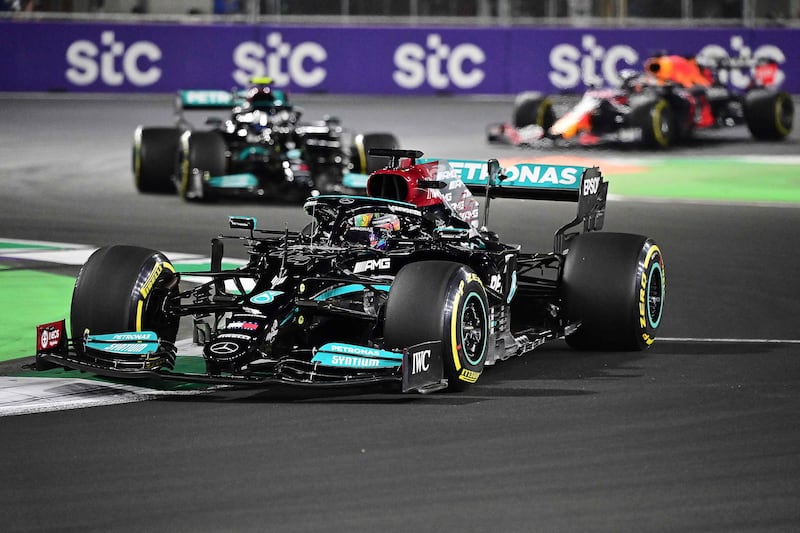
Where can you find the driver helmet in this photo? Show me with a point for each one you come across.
(260, 98)
(379, 228)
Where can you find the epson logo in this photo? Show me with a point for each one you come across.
(113, 62)
(591, 185)
(283, 62)
(438, 64)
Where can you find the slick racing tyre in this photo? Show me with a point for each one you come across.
(655, 119)
(613, 283)
(154, 155)
(361, 161)
(769, 115)
(432, 300)
(533, 108)
(201, 152)
(122, 289)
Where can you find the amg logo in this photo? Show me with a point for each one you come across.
(383, 263)
(420, 361)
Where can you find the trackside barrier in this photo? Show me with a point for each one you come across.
(162, 58)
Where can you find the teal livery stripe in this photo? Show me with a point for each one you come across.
(233, 181)
(347, 289)
(353, 356)
(520, 175)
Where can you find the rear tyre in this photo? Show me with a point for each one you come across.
(432, 300)
(655, 119)
(533, 108)
(613, 283)
(154, 153)
(124, 288)
(769, 115)
(361, 161)
(201, 152)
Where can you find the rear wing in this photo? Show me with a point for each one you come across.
(584, 185)
(205, 99)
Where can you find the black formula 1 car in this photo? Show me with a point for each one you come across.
(674, 97)
(262, 150)
(403, 286)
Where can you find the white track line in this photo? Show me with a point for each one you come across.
(727, 341)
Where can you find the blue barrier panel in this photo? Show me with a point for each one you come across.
(164, 57)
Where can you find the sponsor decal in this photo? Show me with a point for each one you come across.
(235, 336)
(420, 361)
(273, 332)
(122, 337)
(741, 77)
(284, 62)
(519, 174)
(192, 98)
(266, 297)
(151, 279)
(590, 64)
(124, 347)
(438, 64)
(250, 326)
(469, 376)
(224, 348)
(354, 356)
(50, 335)
(113, 62)
(384, 263)
(591, 186)
(406, 210)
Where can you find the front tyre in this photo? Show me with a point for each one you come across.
(201, 152)
(614, 284)
(433, 300)
(655, 119)
(123, 289)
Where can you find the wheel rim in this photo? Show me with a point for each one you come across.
(785, 115)
(473, 329)
(655, 295)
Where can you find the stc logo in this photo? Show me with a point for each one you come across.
(281, 61)
(593, 65)
(573, 67)
(740, 78)
(438, 64)
(113, 62)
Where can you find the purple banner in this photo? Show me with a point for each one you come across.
(105, 57)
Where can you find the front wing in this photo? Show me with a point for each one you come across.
(121, 356)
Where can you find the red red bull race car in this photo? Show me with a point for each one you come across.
(664, 105)
(404, 287)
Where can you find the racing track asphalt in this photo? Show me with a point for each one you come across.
(693, 435)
